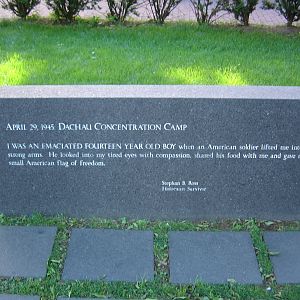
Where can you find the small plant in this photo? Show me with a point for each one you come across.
(290, 9)
(66, 10)
(120, 9)
(161, 9)
(241, 9)
(21, 8)
(206, 10)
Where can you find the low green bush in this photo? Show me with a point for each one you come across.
(21, 8)
(161, 9)
(290, 9)
(241, 9)
(120, 9)
(206, 10)
(66, 10)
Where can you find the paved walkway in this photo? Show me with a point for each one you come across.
(213, 257)
(183, 11)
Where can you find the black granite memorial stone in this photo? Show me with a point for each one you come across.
(151, 158)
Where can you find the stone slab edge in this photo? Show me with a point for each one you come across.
(151, 91)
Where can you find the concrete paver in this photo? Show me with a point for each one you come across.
(212, 257)
(18, 297)
(61, 298)
(284, 248)
(112, 255)
(24, 251)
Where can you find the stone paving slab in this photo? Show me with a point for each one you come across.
(60, 298)
(24, 251)
(18, 297)
(212, 257)
(63, 298)
(112, 255)
(286, 262)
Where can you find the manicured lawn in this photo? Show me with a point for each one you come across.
(52, 286)
(34, 53)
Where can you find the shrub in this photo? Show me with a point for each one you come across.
(161, 9)
(205, 10)
(119, 9)
(67, 10)
(21, 8)
(290, 9)
(242, 9)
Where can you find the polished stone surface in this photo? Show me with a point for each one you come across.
(221, 153)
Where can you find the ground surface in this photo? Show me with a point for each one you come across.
(124, 259)
(39, 54)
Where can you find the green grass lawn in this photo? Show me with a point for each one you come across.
(52, 286)
(35, 53)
